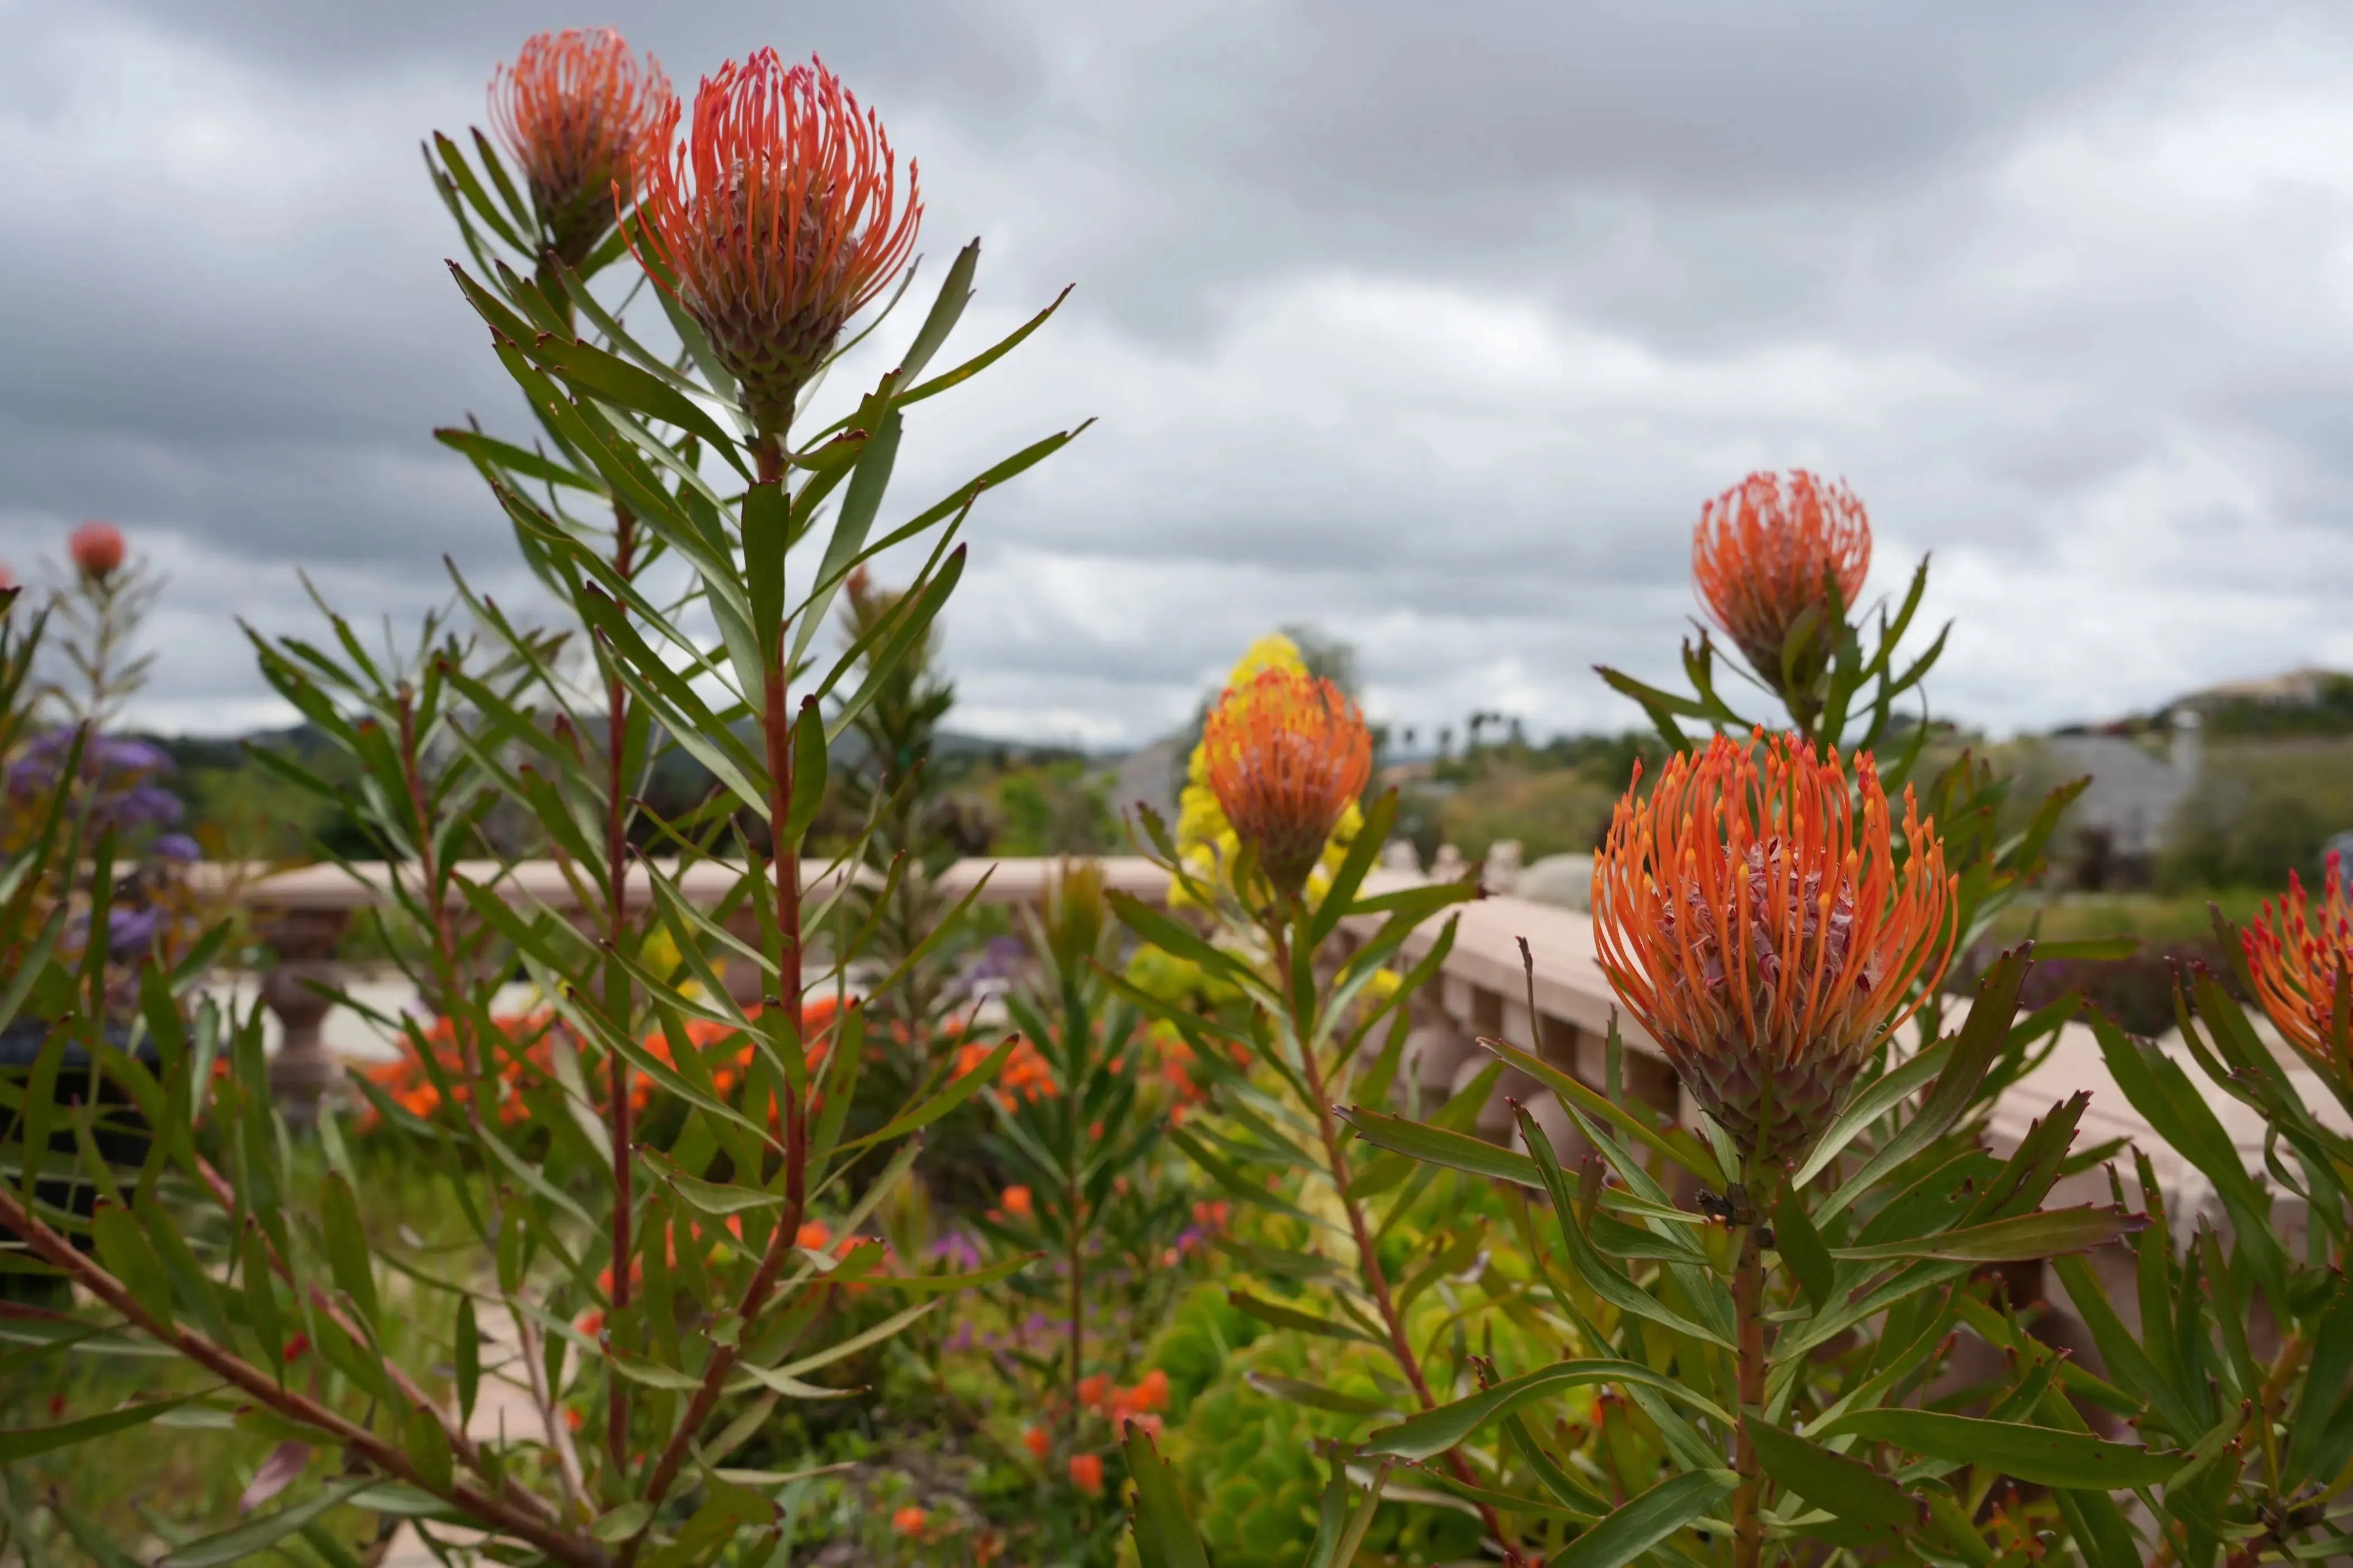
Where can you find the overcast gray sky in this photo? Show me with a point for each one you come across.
(1431, 324)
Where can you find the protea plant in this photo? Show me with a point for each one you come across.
(1287, 755)
(2301, 960)
(1753, 914)
(573, 111)
(1777, 561)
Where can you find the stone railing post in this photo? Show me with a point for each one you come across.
(305, 940)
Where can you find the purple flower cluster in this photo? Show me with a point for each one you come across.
(117, 771)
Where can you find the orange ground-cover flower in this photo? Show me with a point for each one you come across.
(1753, 914)
(1765, 550)
(779, 217)
(1025, 1074)
(2298, 956)
(1086, 1473)
(574, 112)
(1287, 755)
(910, 1520)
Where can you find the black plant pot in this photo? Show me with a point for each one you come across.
(119, 1135)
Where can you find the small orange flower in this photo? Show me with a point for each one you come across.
(1763, 553)
(1018, 1202)
(1152, 1392)
(1758, 924)
(813, 1235)
(97, 549)
(2298, 958)
(1086, 1473)
(910, 1520)
(1036, 1442)
(1094, 1391)
(779, 219)
(573, 111)
(1287, 755)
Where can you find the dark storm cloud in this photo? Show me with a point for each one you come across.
(1432, 324)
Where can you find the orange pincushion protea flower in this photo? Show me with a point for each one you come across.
(1287, 755)
(2297, 959)
(1762, 552)
(1753, 916)
(777, 219)
(574, 110)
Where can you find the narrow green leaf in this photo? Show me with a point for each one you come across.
(1438, 1147)
(1846, 1487)
(1800, 1246)
(1283, 1316)
(2038, 1455)
(1435, 1431)
(345, 1241)
(2047, 1233)
(24, 1442)
(249, 1540)
(1630, 1531)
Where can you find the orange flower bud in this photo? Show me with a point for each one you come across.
(910, 1520)
(1095, 1389)
(1086, 1473)
(1287, 755)
(573, 113)
(1018, 1202)
(1036, 1442)
(1756, 920)
(97, 549)
(775, 222)
(2298, 959)
(814, 1235)
(1765, 552)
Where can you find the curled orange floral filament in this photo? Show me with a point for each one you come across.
(2298, 955)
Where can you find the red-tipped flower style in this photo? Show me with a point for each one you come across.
(96, 548)
(1752, 914)
(574, 111)
(2297, 956)
(1287, 753)
(777, 219)
(1762, 552)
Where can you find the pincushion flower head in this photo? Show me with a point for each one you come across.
(1753, 913)
(574, 112)
(2298, 956)
(97, 549)
(1765, 552)
(1287, 755)
(778, 217)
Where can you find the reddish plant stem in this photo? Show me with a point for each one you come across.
(777, 734)
(618, 989)
(1367, 1261)
(1073, 1197)
(469, 1452)
(265, 1388)
(1748, 1313)
(447, 967)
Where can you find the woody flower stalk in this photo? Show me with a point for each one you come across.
(1753, 914)
(776, 219)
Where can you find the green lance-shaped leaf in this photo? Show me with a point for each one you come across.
(124, 1247)
(1981, 1038)
(1435, 1431)
(468, 1358)
(1165, 1536)
(1802, 1249)
(2047, 1233)
(24, 1442)
(248, 1540)
(1630, 1531)
(1437, 1146)
(1283, 1316)
(345, 1241)
(1846, 1487)
(2038, 1455)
